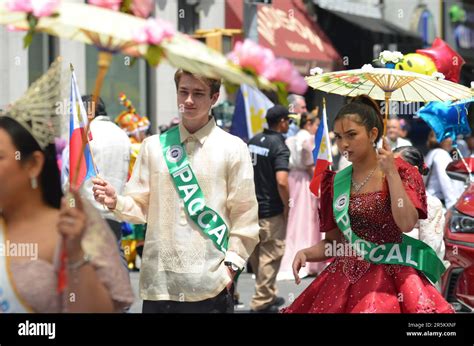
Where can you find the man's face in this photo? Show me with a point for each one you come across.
(393, 129)
(194, 98)
(300, 106)
(470, 142)
(285, 125)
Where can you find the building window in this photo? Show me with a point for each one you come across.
(427, 28)
(188, 18)
(423, 23)
(121, 77)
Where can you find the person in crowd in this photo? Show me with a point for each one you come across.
(35, 216)
(470, 146)
(303, 222)
(404, 129)
(111, 151)
(136, 127)
(430, 230)
(296, 107)
(193, 186)
(394, 134)
(378, 198)
(438, 183)
(271, 166)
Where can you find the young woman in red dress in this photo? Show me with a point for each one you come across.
(387, 197)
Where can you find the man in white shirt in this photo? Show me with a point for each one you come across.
(438, 183)
(296, 106)
(187, 264)
(394, 134)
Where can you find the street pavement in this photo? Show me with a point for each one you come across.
(246, 287)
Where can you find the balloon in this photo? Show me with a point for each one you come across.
(447, 119)
(457, 14)
(419, 63)
(446, 59)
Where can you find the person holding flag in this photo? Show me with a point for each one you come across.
(107, 147)
(365, 210)
(193, 186)
(37, 220)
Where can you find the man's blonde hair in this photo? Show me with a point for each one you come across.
(214, 84)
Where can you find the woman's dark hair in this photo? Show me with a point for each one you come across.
(49, 180)
(432, 142)
(306, 118)
(368, 112)
(414, 157)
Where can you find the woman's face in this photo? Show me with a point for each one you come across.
(447, 144)
(14, 176)
(352, 139)
(313, 127)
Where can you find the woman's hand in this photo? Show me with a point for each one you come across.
(386, 159)
(72, 224)
(298, 262)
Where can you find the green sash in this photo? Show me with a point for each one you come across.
(187, 186)
(410, 252)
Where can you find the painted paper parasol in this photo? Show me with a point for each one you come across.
(389, 84)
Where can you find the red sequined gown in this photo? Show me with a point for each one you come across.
(350, 285)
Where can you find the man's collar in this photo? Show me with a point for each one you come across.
(201, 134)
(270, 131)
(102, 118)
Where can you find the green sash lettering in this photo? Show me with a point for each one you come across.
(410, 252)
(187, 186)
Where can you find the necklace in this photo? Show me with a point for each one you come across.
(358, 186)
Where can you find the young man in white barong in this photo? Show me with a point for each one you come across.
(194, 187)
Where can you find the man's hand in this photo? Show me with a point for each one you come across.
(232, 276)
(104, 193)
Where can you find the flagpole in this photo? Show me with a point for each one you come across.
(325, 124)
(85, 140)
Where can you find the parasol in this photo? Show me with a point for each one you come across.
(389, 84)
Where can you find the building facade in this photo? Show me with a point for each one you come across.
(151, 90)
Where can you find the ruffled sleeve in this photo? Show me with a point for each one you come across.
(326, 216)
(414, 186)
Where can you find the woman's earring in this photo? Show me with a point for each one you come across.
(374, 145)
(34, 183)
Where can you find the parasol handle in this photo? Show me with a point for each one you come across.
(387, 107)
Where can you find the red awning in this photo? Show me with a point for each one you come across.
(285, 27)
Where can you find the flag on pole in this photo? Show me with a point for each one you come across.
(321, 153)
(77, 126)
(251, 106)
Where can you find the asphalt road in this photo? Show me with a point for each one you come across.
(246, 287)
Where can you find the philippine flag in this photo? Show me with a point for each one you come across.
(77, 127)
(321, 153)
(251, 106)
